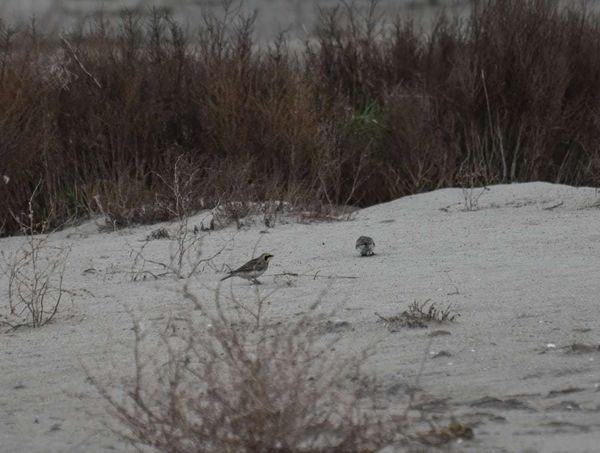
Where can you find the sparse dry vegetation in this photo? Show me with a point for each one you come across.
(473, 187)
(35, 273)
(440, 436)
(185, 251)
(218, 381)
(581, 348)
(419, 315)
(185, 256)
(219, 384)
(105, 112)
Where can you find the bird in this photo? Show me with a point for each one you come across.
(252, 269)
(366, 245)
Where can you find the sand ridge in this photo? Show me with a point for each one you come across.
(522, 271)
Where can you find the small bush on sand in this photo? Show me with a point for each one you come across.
(473, 188)
(419, 315)
(223, 386)
(35, 273)
(218, 381)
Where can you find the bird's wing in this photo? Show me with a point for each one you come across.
(249, 266)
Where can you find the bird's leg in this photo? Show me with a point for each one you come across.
(256, 282)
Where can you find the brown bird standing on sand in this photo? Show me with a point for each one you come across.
(252, 269)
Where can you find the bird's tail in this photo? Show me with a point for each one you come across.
(226, 277)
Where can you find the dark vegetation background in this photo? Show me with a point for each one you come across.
(109, 117)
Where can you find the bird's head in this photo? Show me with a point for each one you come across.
(267, 257)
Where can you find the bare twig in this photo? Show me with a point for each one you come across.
(557, 205)
(73, 54)
(314, 276)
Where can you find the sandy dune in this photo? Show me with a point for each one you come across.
(520, 364)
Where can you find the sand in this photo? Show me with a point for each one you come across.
(521, 270)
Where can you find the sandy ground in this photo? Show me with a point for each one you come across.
(522, 271)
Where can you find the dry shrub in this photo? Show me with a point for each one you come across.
(443, 435)
(504, 91)
(185, 251)
(222, 385)
(581, 348)
(35, 274)
(420, 315)
(473, 188)
(371, 111)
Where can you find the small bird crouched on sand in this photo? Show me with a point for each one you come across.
(366, 245)
(252, 269)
